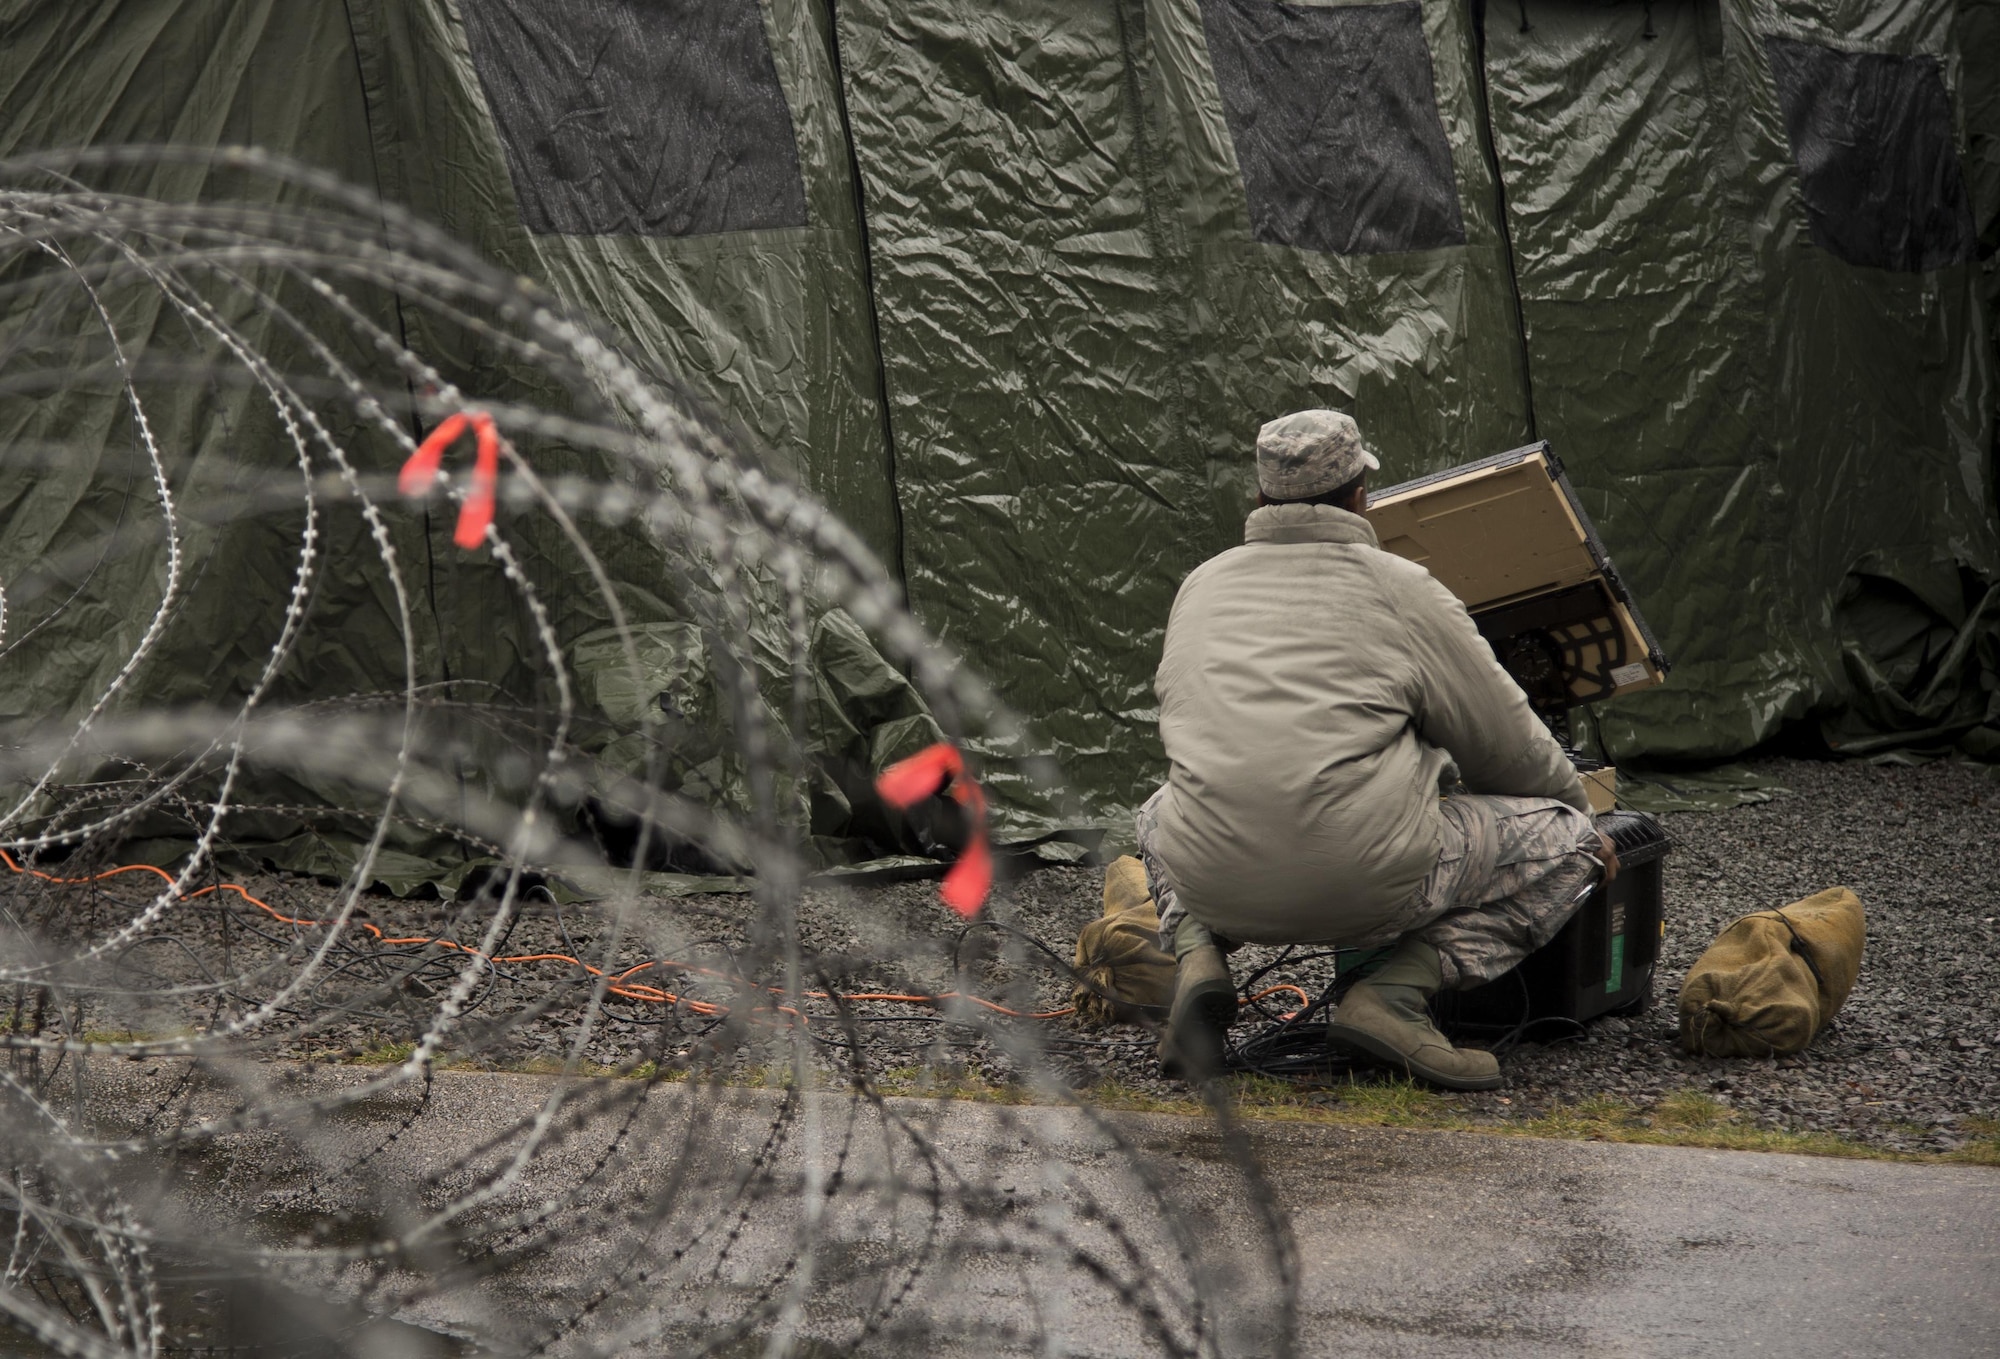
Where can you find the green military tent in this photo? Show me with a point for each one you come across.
(1011, 283)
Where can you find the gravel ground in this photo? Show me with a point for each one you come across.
(1910, 1064)
(1916, 1048)
(1913, 1055)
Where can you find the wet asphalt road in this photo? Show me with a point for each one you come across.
(1406, 1243)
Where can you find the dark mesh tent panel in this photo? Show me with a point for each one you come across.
(1877, 155)
(640, 117)
(1333, 113)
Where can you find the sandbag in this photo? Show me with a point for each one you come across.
(1773, 980)
(1121, 969)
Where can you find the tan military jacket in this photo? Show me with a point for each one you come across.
(1315, 691)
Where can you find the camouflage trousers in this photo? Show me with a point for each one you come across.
(1511, 871)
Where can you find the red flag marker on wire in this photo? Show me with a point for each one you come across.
(907, 782)
(421, 469)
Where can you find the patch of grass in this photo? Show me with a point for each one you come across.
(1396, 1103)
(132, 1035)
(1692, 1110)
(53, 1033)
(948, 1082)
(553, 1066)
(1602, 1108)
(1687, 1118)
(1115, 1094)
(1984, 1147)
(1598, 1118)
(1683, 1118)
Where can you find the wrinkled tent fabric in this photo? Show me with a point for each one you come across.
(768, 322)
(1012, 285)
(739, 272)
(1764, 362)
(1978, 33)
(1087, 303)
(1083, 318)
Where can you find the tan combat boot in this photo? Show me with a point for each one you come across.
(1204, 1007)
(1384, 1016)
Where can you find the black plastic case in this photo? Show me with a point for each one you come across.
(1602, 961)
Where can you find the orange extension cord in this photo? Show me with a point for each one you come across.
(620, 986)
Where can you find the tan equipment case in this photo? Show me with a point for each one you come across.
(1509, 536)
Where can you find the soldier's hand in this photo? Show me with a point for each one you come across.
(1608, 852)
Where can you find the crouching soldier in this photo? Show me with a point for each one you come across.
(1350, 767)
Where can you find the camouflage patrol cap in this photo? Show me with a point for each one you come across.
(1309, 453)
